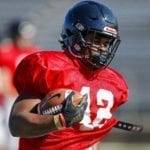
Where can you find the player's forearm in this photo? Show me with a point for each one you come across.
(31, 125)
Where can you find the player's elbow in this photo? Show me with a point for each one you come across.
(14, 126)
(13, 132)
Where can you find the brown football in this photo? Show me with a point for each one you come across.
(52, 102)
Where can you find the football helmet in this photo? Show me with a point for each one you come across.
(86, 17)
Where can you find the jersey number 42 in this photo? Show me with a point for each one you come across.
(103, 113)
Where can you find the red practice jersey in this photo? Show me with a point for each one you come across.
(42, 72)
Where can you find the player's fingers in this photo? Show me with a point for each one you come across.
(84, 101)
(68, 100)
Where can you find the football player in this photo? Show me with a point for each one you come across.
(90, 39)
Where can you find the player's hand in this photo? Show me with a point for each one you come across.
(73, 114)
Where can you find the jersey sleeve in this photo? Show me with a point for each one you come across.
(31, 75)
(122, 87)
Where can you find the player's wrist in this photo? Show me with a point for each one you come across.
(59, 121)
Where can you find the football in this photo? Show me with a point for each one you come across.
(52, 103)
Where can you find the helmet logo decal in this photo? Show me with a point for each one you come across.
(110, 30)
(79, 26)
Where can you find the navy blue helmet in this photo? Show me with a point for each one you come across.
(83, 18)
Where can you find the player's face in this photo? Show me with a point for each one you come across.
(98, 43)
(97, 51)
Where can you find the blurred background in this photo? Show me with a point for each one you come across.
(132, 58)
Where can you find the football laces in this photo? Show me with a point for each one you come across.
(53, 110)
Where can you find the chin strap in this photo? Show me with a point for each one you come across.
(129, 126)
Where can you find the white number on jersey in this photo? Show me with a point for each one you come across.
(102, 113)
